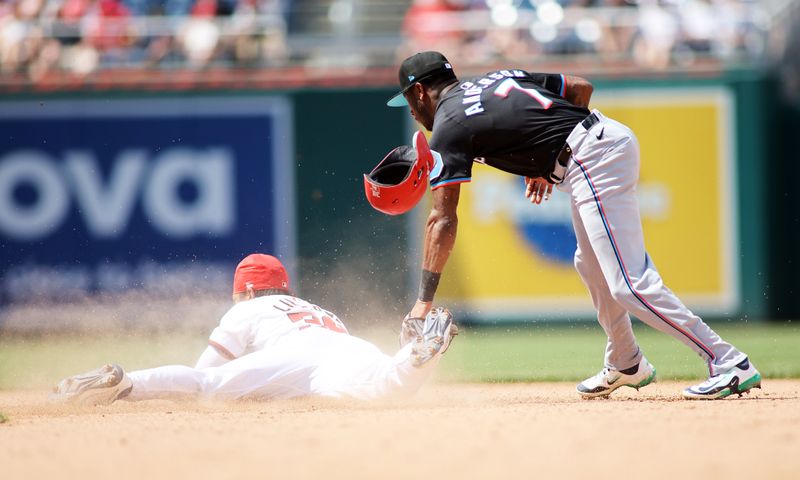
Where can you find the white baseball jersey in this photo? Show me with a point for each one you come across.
(286, 347)
(258, 323)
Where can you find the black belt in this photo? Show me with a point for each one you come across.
(590, 121)
(562, 159)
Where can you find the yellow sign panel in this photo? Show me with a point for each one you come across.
(514, 260)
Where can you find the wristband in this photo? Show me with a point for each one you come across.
(428, 284)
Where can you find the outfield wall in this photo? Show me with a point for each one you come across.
(162, 192)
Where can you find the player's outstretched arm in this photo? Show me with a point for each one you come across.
(440, 236)
(213, 356)
(578, 90)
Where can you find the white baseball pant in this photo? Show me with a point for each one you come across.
(611, 257)
(312, 361)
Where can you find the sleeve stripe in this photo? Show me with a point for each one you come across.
(222, 350)
(563, 85)
(451, 181)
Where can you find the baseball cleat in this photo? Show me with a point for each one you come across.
(437, 333)
(608, 380)
(739, 379)
(98, 387)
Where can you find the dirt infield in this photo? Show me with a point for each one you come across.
(447, 431)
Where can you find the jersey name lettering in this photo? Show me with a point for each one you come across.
(285, 304)
(288, 304)
(472, 91)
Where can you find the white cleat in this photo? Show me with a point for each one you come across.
(101, 386)
(739, 379)
(605, 382)
(437, 333)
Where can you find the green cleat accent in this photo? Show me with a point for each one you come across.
(739, 379)
(646, 381)
(605, 382)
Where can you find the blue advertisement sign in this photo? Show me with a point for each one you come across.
(160, 194)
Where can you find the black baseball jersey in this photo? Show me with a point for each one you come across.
(512, 120)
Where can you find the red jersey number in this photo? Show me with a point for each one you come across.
(318, 319)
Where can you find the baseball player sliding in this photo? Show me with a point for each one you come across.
(271, 344)
(539, 126)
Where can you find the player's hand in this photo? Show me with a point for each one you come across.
(420, 309)
(537, 189)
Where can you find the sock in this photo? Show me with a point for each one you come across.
(744, 364)
(631, 371)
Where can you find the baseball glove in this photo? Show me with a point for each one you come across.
(411, 329)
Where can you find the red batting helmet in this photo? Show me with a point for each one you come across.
(398, 183)
(260, 272)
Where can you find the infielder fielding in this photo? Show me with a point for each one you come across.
(271, 344)
(538, 126)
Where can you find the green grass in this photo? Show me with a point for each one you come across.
(39, 362)
(572, 352)
(543, 352)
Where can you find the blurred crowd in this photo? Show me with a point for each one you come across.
(651, 33)
(82, 36)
